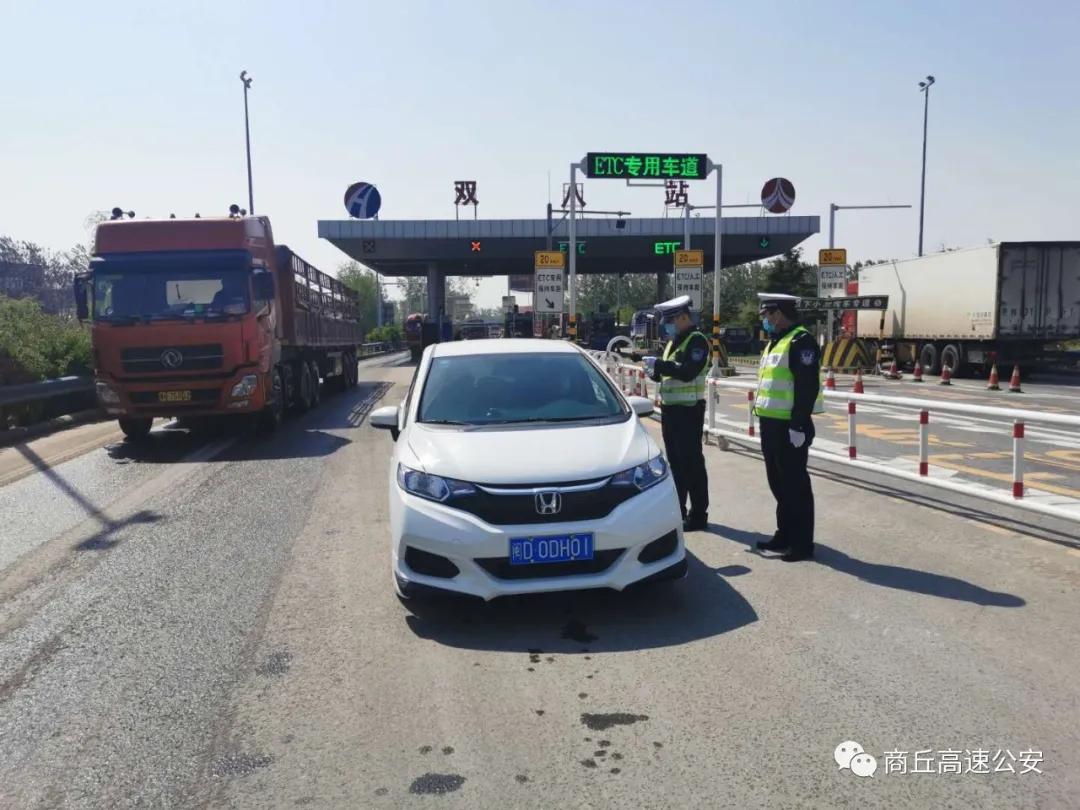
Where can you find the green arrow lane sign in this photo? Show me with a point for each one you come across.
(763, 242)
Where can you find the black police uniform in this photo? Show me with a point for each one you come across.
(682, 426)
(785, 464)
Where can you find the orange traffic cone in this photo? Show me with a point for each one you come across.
(830, 379)
(858, 381)
(1014, 381)
(993, 384)
(946, 376)
(917, 374)
(894, 372)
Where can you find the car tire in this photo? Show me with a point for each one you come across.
(928, 359)
(302, 402)
(270, 418)
(136, 428)
(316, 387)
(950, 356)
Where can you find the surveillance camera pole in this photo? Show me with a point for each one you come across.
(247, 139)
(924, 88)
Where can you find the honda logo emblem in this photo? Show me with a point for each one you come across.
(548, 503)
(171, 358)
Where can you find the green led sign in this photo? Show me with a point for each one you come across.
(620, 165)
(666, 248)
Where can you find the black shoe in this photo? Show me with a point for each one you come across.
(776, 544)
(695, 523)
(798, 555)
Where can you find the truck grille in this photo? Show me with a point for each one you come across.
(501, 568)
(172, 358)
(520, 509)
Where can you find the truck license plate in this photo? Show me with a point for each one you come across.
(174, 396)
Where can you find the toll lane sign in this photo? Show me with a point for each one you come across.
(548, 292)
(689, 272)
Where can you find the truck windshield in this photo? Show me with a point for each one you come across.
(133, 294)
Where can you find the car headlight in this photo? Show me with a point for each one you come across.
(106, 394)
(246, 385)
(432, 487)
(642, 476)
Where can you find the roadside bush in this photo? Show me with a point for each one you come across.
(390, 333)
(37, 346)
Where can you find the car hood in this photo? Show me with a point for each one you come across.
(530, 455)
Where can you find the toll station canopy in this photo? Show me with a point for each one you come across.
(491, 247)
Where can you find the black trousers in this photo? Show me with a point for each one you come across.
(789, 481)
(681, 426)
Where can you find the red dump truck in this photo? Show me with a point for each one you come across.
(203, 317)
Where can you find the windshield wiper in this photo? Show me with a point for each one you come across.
(532, 419)
(126, 320)
(442, 422)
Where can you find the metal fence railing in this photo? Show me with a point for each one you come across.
(1012, 422)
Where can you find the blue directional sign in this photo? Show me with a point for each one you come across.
(362, 200)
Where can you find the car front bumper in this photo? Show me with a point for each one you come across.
(463, 539)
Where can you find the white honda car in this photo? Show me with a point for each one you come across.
(520, 468)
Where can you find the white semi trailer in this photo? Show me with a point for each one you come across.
(1009, 302)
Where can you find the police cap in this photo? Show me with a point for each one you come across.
(781, 301)
(676, 306)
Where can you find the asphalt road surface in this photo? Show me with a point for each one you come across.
(210, 622)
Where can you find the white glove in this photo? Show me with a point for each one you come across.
(797, 437)
(650, 364)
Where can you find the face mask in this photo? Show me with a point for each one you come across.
(766, 324)
(669, 330)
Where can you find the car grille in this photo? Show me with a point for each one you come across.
(501, 568)
(153, 358)
(514, 509)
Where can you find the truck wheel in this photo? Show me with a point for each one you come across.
(950, 356)
(316, 391)
(270, 417)
(352, 374)
(136, 428)
(928, 358)
(303, 393)
(414, 353)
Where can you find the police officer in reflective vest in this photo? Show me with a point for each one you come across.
(788, 392)
(682, 372)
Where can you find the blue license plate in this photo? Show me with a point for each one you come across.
(551, 548)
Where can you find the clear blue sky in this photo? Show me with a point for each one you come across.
(140, 105)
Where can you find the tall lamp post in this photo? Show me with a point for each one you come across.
(247, 138)
(924, 88)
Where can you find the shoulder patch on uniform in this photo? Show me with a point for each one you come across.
(697, 355)
(807, 357)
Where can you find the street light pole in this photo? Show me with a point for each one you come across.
(247, 139)
(924, 88)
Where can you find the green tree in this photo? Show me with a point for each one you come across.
(35, 345)
(357, 277)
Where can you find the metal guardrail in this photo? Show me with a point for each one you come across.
(631, 380)
(36, 392)
(1016, 419)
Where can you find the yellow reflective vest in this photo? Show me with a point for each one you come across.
(674, 391)
(776, 382)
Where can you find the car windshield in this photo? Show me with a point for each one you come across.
(169, 294)
(492, 389)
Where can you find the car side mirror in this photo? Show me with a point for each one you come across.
(641, 405)
(82, 309)
(262, 285)
(386, 418)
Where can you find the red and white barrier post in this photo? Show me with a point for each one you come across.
(924, 442)
(851, 430)
(1018, 459)
(749, 413)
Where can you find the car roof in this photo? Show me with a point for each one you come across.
(460, 348)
